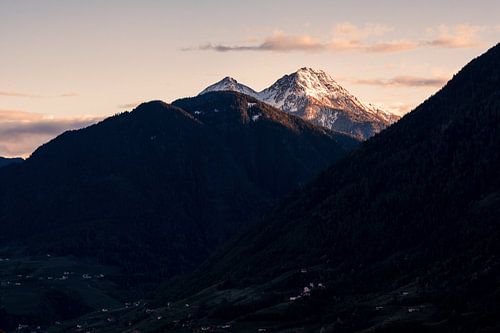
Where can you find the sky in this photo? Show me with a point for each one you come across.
(67, 64)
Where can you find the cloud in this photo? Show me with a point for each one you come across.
(391, 47)
(28, 95)
(128, 105)
(349, 37)
(277, 42)
(22, 132)
(355, 32)
(69, 94)
(17, 94)
(404, 81)
(459, 36)
(280, 42)
(398, 108)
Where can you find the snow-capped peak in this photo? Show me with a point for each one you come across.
(315, 96)
(306, 82)
(229, 84)
(312, 84)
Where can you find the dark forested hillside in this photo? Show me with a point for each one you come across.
(6, 161)
(400, 236)
(156, 189)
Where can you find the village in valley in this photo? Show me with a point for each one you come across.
(45, 280)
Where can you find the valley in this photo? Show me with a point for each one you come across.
(351, 184)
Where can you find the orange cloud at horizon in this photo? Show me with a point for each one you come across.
(22, 132)
(405, 81)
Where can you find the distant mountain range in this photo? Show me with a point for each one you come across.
(253, 219)
(156, 189)
(4, 161)
(315, 96)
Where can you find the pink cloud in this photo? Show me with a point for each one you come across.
(17, 94)
(405, 81)
(391, 47)
(280, 42)
(459, 36)
(69, 94)
(29, 95)
(398, 108)
(128, 105)
(22, 132)
(353, 31)
(350, 37)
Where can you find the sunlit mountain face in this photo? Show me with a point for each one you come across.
(315, 96)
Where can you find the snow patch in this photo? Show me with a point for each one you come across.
(256, 117)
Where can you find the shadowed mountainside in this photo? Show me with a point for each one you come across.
(4, 161)
(156, 189)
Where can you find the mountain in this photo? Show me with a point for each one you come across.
(401, 236)
(4, 161)
(315, 96)
(155, 190)
(230, 84)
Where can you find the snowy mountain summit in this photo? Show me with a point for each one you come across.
(315, 96)
(228, 83)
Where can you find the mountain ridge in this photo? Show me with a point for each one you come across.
(315, 96)
(209, 172)
(4, 161)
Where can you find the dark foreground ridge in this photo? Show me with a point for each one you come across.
(4, 161)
